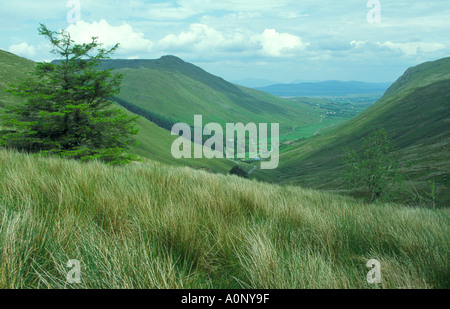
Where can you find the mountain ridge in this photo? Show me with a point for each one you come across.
(178, 90)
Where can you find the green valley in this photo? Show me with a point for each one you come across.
(168, 223)
(415, 111)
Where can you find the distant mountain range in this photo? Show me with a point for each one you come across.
(254, 82)
(326, 88)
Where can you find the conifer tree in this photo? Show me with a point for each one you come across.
(66, 110)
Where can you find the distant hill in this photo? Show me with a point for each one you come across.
(415, 111)
(177, 90)
(326, 88)
(254, 82)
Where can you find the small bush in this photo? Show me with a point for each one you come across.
(236, 170)
(374, 167)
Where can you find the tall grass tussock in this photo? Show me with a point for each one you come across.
(148, 225)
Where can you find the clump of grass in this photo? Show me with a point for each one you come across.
(154, 226)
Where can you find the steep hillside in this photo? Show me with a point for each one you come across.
(421, 75)
(152, 226)
(177, 90)
(12, 68)
(415, 112)
(154, 142)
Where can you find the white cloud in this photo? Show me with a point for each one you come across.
(109, 35)
(409, 48)
(276, 44)
(23, 49)
(198, 34)
(413, 48)
(358, 43)
(202, 38)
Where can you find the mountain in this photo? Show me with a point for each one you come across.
(177, 90)
(153, 141)
(415, 111)
(326, 88)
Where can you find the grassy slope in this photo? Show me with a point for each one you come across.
(154, 142)
(415, 112)
(148, 225)
(178, 90)
(12, 68)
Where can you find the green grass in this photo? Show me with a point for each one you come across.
(309, 130)
(148, 225)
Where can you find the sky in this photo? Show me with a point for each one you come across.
(275, 40)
